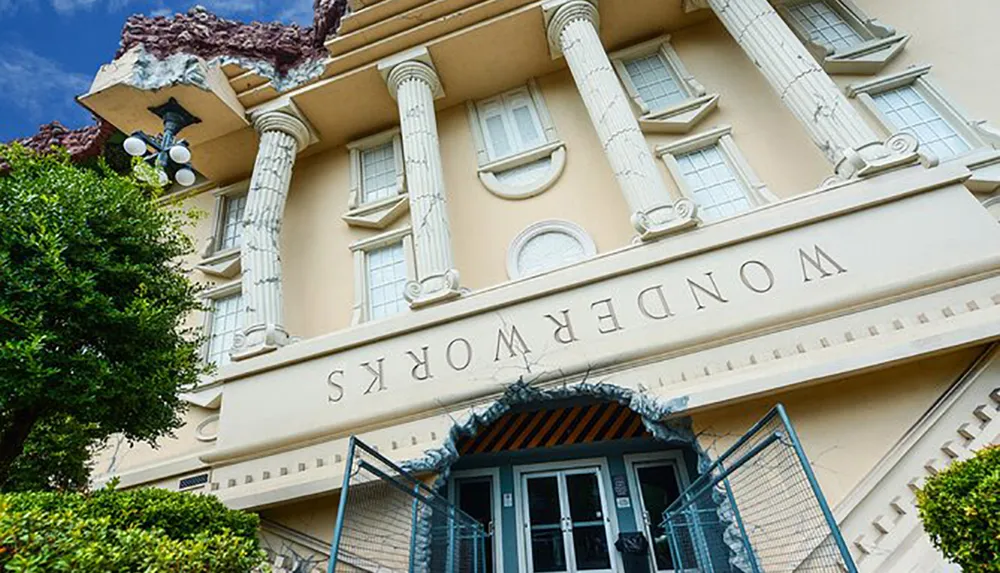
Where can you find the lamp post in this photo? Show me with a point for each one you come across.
(169, 155)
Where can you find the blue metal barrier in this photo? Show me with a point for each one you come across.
(757, 509)
(389, 521)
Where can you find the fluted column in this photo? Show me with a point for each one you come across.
(414, 84)
(572, 31)
(282, 136)
(808, 91)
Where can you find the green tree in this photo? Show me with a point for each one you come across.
(92, 302)
(960, 509)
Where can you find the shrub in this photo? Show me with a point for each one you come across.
(960, 509)
(108, 531)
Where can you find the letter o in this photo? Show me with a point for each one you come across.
(767, 274)
(468, 354)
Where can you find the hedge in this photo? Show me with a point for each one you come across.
(960, 510)
(150, 530)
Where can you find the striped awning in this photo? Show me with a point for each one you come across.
(584, 424)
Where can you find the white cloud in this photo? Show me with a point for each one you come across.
(38, 88)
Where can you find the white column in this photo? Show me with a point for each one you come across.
(572, 31)
(282, 136)
(414, 84)
(832, 122)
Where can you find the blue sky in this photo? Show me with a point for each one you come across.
(51, 49)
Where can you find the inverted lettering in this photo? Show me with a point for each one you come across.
(713, 292)
(746, 270)
(817, 264)
(338, 389)
(508, 341)
(448, 354)
(564, 330)
(420, 365)
(608, 316)
(660, 309)
(376, 376)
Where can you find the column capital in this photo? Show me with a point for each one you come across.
(561, 13)
(412, 64)
(285, 122)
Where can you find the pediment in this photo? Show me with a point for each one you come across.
(378, 215)
(867, 59)
(225, 265)
(680, 118)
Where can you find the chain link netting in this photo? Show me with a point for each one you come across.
(757, 509)
(391, 522)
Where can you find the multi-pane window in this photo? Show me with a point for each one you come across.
(226, 321)
(654, 81)
(910, 112)
(510, 124)
(231, 228)
(378, 172)
(713, 184)
(824, 25)
(386, 280)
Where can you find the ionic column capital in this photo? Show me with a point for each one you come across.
(562, 13)
(283, 122)
(411, 65)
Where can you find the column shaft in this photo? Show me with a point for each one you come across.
(572, 29)
(807, 90)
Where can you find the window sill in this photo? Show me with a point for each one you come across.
(679, 118)
(378, 214)
(225, 264)
(867, 58)
(492, 175)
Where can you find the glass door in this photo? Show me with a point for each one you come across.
(474, 496)
(567, 527)
(659, 485)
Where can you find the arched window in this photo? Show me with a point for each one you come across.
(548, 245)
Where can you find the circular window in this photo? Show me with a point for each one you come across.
(548, 245)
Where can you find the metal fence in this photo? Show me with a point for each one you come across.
(758, 509)
(391, 522)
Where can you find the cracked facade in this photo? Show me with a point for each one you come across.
(803, 212)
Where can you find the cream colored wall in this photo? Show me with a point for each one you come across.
(847, 426)
(958, 40)
(314, 516)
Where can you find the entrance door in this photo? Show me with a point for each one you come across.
(474, 496)
(567, 527)
(659, 483)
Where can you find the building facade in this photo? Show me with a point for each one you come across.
(506, 242)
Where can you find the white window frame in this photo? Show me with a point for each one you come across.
(209, 298)
(552, 147)
(880, 43)
(361, 249)
(673, 458)
(380, 213)
(539, 228)
(680, 117)
(217, 262)
(722, 136)
(977, 133)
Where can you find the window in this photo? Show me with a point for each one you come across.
(225, 320)
(386, 280)
(824, 25)
(710, 170)
(841, 37)
(667, 96)
(377, 196)
(510, 124)
(383, 266)
(518, 150)
(378, 172)
(548, 245)
(910, 102)
(909, 112)
(231, 228)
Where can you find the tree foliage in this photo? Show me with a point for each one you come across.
(92, 303)
(108, 531)
(960, 509)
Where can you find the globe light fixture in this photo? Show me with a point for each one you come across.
(171, 157)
